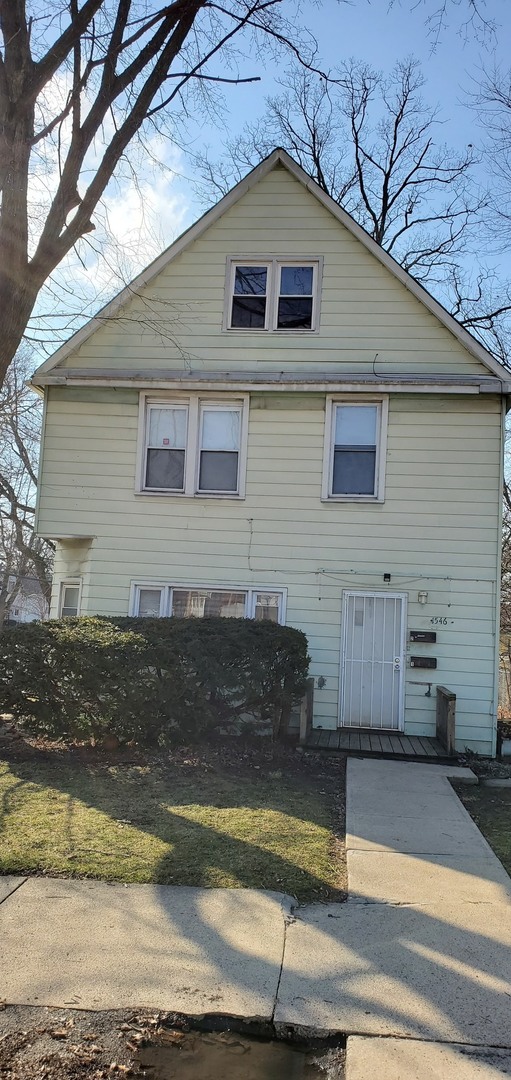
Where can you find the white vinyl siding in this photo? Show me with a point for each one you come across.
(436, 531)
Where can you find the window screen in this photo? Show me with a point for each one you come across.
(149, 603)
(203, 602)
(219, 449)
(267, 606)
(70, 599)
(295, 298)
(166, 444)
(354, 458)
(249, 299)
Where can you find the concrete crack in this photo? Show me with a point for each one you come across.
(13, 890)
(288, 918)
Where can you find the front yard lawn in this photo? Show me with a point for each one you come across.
(223, 818)
(491, 811)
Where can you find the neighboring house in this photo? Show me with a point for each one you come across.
(275, 420)
(29, 604)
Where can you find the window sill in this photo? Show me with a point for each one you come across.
(372, 499)
(268, 330)
(184, 495)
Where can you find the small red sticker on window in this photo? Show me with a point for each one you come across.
(165, 442)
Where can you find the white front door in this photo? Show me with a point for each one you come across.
(372, 660)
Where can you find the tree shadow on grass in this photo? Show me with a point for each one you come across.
(211, 829)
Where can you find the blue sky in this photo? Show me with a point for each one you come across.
(379, 34)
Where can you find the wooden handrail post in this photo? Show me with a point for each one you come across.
(446, 719)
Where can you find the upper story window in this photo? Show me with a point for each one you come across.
(355, 439)
(273, 294)
(193, 445)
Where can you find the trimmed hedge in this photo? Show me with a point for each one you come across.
(152, 680)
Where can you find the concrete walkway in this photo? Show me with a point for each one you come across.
(415, 967)
(422, 949)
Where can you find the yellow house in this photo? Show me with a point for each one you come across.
(276, 421)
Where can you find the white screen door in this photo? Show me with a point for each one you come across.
(372, 660)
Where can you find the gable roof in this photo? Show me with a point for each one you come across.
(278, 157)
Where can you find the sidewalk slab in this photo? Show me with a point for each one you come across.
(8, 885)
(409, 775)
(408, 808)
(441, 972)
(385, 802)
(97, 946)
(414, 836)
(405, 1059)
(385, 877)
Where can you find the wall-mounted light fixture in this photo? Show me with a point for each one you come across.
(422, 597)
(386, 577)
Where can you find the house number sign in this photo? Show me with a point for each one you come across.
(441, 620)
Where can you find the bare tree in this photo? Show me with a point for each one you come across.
(472, 18)
(78, 83)
(492, 102)
(22, 553)
(370, 142)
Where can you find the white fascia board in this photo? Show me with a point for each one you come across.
(309, 383)
(67, 537)
(278, 157)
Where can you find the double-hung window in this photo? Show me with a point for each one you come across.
(154, 600)
(272, 294)
(219, 448)
(193, 446)
(166, 447)
(355, 434)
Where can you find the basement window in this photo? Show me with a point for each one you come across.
(69, 602)
(153, 600)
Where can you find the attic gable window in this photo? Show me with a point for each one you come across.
(194, 445)
(355, 441)
(273, 294)
(249, 299)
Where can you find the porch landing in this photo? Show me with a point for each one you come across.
(377, 744)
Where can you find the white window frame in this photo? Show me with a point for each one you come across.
(74, 583)
(251, 592)
(193, 402)
(382, 402)
(273, 266)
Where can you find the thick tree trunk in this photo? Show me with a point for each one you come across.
(17, 290)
